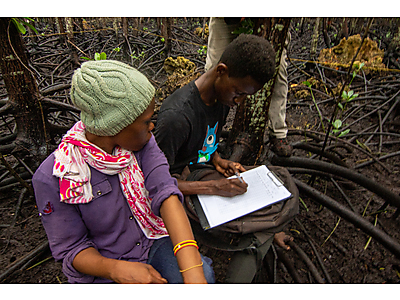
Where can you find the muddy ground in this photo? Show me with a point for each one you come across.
(346, 252)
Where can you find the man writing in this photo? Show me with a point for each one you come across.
(190, 120)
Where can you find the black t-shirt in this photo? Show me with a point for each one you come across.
(188, 131)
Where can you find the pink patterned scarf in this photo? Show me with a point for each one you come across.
(72, 159)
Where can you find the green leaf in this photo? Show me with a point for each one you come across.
(103, 56)
(353, 97)
(350, 93)
(86, 58)
(31, 27)
(344, 95)
(362, 145)
(307, 83)
(19, 26)
(344, 132)
(337, 124)
(97, 56)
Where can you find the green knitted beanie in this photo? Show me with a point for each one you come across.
(110, 95)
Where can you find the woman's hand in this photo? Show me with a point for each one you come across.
(135, 272)
(90, 261)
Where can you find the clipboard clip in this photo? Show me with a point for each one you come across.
(275, 179)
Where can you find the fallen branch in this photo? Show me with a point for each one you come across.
(379, 235)
(316, 252)
(16, 175)
(305, 132)
(10, 269)
(308, 262)
(349, 174)
(282, 256)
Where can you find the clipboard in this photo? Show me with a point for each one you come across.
(265, 188)
(200, 212)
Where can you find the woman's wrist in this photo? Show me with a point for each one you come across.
(195, 275)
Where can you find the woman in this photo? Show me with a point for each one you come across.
(110, 208)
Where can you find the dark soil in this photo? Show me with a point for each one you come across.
(346, 252)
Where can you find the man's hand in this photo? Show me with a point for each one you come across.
(226, 167)
(227, 187)
(222, 187)
(281, 238)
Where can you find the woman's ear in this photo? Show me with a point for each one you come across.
(221, 69)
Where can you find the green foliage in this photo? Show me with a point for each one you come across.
(100, 56)
(349, 96)
(358, 67)
(246, 26)
(97, 56)
(20, 24)
(135, 56)
(202, 50)
(336, 129)
(346, 98)
(307, 83)
(304, 204)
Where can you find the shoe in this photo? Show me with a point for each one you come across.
(280, 147)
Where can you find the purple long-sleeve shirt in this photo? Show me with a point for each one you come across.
(106, 223)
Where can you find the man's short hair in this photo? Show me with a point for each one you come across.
(250, 55)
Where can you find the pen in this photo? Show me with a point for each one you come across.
(238, 177)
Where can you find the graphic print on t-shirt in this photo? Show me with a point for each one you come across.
(210, 144)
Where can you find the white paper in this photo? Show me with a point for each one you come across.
(263, 189)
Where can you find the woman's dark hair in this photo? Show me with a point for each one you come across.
(250, 55)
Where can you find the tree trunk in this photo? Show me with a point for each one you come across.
(394, 45)
(71, 44)
(115, 26)
(23, 95)
(315, 36)
(127, 48)
(101, 26)
(135, 25)
(327, 39)
(61, 29)
(343, 32)
(166, 33)
(252, 115)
